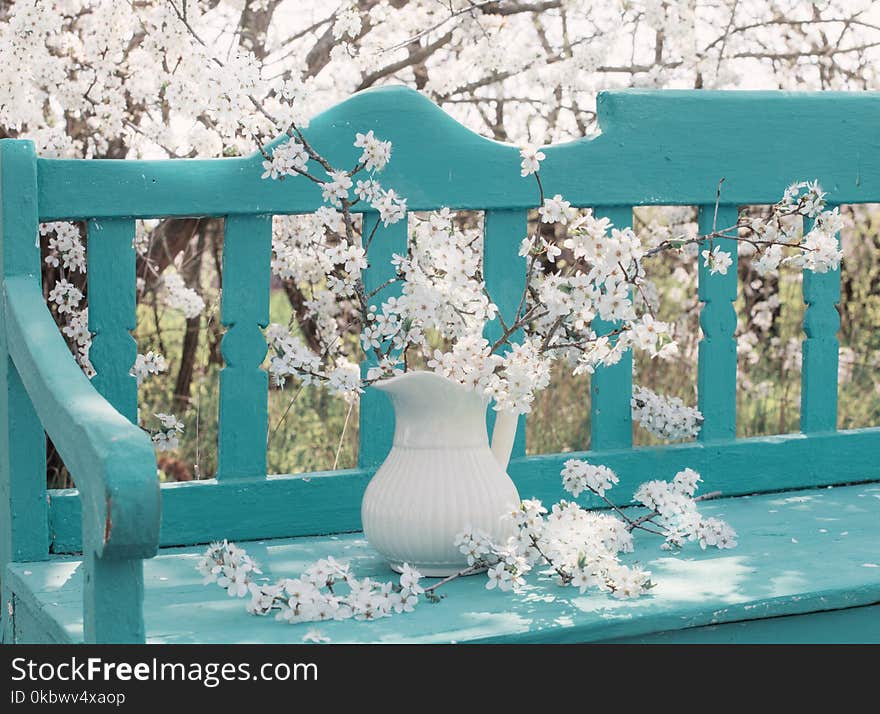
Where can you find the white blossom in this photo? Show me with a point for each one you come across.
(66, 296)
(579, 476)
(376, 153)
(556, 210)
(391, 207)
(178, 296)
(288, 159)
(347, 22)
(167, 437)
(717, 260)
(409, 579)
(65, 249)
(77, 331)
(148, 364)
(335, 190)
(531, 160)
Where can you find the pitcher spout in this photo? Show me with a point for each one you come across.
(503, 436)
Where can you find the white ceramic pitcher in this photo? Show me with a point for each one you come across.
(441, 475)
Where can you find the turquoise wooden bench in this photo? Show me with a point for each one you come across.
(113, 560)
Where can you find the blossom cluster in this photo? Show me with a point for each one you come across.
(677, 514)
(573, 546)
(579, 476)
(325, 590)
(151, 363)
(288, 158)
(717, 260)
(672, 503)
(178, 296)
(582, 548)
(77, 331)
(376, 153)
(815, 247)
(668, 418)
(292, 357)
(167, 436)
(65, 296)
(64, 248)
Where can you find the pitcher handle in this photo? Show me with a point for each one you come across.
(503, 436)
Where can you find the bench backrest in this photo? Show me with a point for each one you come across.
(656, 148)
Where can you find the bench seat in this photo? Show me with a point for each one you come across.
(807, 557)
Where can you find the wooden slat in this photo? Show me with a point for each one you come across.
(661, 147)
(114, 589)
(113, 311)
(202, 511)
(820, 349)
(716, 375)
(504, 271)
(244, 385)
(376, 416)
(23, 510)
(611, 386)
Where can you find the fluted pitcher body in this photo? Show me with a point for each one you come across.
(441, 475)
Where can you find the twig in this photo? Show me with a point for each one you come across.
(470, 570)
(342, 435)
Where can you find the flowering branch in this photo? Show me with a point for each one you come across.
(577, 547)
(442, 289)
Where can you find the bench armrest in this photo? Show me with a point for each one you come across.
(112, 461)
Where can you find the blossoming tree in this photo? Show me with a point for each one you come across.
(177, 78)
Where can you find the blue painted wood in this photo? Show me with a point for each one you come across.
(245, 509)
(329, 502)
(19, 253)
(113, 600)
(716, 373)
(33, 625)
(768, 575)
(611, 386)
(110, 459)
(375, 414)
(849, 626)
(820, 349)
(244, 386)
(24, 533)
(88, 433)
(504, 271)
(113, 312)
(23, 508)
(677, 145)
